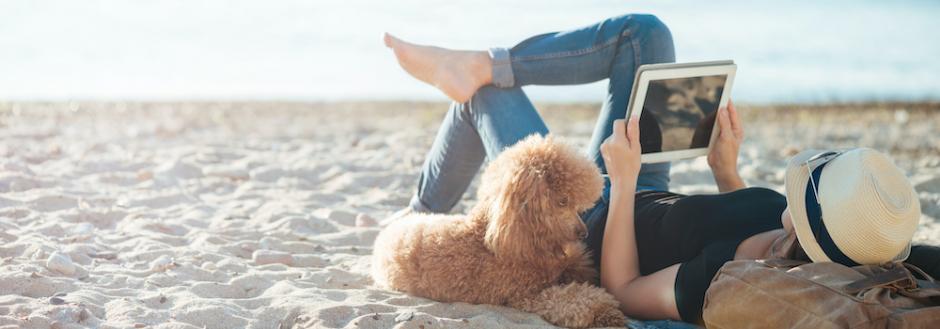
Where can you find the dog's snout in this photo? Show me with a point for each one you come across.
(581, 229)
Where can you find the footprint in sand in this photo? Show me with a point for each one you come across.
(361, 316)
(358, 242)
(211, 315)
(18, 183)
(53, 203)
(4, 203)
(294, 247)
(268, 174)
(230, 171)
(245, 286)
(33, 285)
(333, 278)
(301, 226)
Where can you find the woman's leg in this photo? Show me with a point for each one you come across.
(493, 119)
(612, 49)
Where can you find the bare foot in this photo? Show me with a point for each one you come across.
(458, 73)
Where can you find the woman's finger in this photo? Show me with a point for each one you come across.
(724, 124)
(735, 120)
(633, 131)
(619, 130)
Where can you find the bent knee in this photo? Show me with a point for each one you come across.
(654, 37)
(649, 25)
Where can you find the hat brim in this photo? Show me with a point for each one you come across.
(904, 253)
(795, 182)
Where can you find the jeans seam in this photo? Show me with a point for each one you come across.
(577, 52)
(636, 53)
(569, 53)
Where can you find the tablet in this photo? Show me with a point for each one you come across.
(677, 104)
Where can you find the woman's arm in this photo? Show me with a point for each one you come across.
(651, 296)
(621, 153)
(644, 297)
(620, 263)
(723, 156)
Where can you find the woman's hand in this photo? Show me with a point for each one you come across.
(621, 151)
(723, 156)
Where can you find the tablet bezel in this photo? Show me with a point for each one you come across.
(647, 73)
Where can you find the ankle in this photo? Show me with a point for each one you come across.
(482, 68)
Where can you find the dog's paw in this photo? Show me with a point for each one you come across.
(609, 317)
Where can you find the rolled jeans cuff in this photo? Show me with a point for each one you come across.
(502, 68)
(418, 206)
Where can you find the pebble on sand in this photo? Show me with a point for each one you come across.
(262, 257)
(404, 316)
(363, 220)
(61, 263)
(162, 263)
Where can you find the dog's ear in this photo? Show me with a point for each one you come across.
(520, 218)
(530, 196)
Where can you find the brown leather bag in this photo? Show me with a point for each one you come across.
(783, 293)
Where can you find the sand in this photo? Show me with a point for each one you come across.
(262, 215)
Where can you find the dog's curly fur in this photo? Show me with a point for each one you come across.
(519, 246)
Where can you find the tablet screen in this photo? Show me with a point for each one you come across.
(679, 114)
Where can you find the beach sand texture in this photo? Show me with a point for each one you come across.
(262, 215)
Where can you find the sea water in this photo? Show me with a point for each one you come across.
(787, 51)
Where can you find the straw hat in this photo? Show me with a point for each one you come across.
(866, 213)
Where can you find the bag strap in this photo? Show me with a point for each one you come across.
(782, 263)
(925, 289)
(924, 284)
(897, 276)
(901, 277)
(917, 270)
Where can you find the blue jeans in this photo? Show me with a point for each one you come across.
(499, 115)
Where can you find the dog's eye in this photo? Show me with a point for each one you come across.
(563, 202)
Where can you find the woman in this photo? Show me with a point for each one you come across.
(657, 250)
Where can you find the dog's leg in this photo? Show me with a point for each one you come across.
(574, 305)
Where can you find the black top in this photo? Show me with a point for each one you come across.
(672, 228)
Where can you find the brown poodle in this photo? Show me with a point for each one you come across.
(519, 246)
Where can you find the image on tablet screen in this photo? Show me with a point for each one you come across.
(679, 114)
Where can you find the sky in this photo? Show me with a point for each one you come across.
(793, 51)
